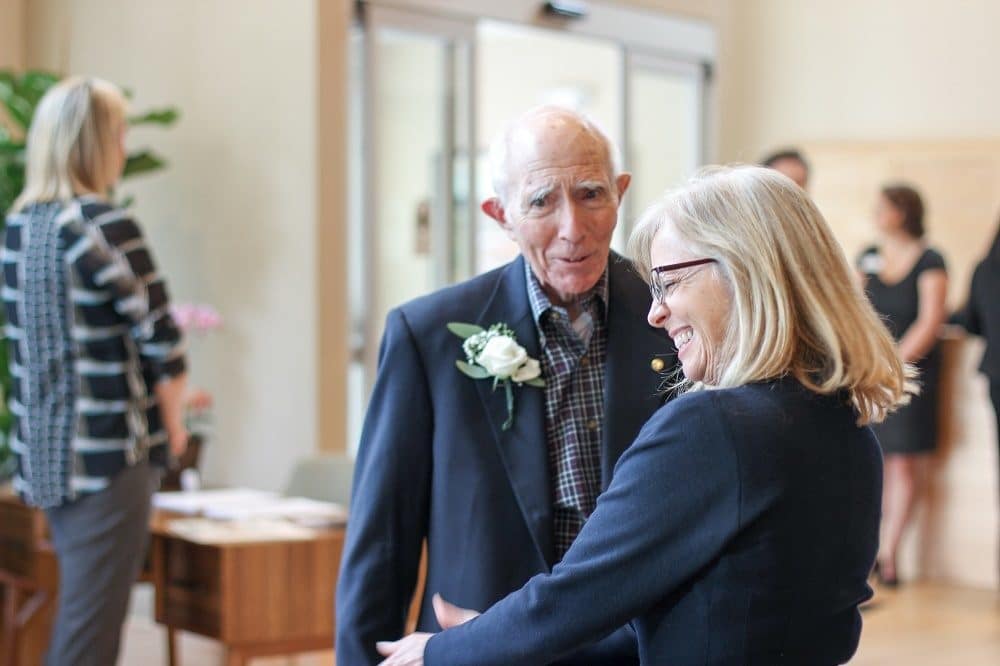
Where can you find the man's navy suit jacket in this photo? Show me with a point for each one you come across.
(434, 463)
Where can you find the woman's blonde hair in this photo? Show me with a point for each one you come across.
(72, 141)
(796, 309)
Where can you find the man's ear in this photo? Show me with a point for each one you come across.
(495, 209)
(622, 182)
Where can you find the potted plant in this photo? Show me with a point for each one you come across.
(19, 96)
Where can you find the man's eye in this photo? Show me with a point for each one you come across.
(537, 202)
(592, 193)
(668, 287)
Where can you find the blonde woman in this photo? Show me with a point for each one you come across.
(741, 526)
(98, 368)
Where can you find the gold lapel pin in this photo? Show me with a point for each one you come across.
(657, 364)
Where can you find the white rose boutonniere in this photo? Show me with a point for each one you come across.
(494, 352)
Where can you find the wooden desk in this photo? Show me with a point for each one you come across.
(257, 599)
(29, 578)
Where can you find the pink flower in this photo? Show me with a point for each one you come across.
(206, 318)
(196, 318)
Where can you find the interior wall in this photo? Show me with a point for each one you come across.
(12, 24)
(861, 70)
(233, 220)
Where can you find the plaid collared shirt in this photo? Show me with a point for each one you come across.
(573, 355)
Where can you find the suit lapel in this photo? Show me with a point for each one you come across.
(631, 385)
(523, 447)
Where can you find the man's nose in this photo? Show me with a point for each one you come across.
(572, 223)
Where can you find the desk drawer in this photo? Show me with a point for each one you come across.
(189, 610)
(23, 534)
(191, 585)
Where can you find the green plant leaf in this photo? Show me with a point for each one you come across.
(166, 116)
(8, 146)
(464, 331)
(19, 108)
(473, 371)
(143, 161)
(34, 84)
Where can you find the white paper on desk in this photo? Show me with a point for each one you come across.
(300, 510)
(201, 501)
(207, 531)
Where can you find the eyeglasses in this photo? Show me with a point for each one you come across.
(656, 286)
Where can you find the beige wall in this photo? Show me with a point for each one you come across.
(234, 219)
(12, 24)
(856, 69)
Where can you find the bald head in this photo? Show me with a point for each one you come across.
(557, 198)
(535, 136)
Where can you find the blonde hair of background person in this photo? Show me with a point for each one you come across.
(822, 332)
(76, 142)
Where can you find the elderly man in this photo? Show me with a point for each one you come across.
(499, 478)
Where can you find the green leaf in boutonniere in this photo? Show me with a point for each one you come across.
(494, 353)
(473, 371)
(464, 330)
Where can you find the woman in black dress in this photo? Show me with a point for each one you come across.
(907, 283)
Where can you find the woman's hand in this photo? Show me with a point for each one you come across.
(409, 651)
(177, 437)
(170, 393)
(449, 615)
(198, 400)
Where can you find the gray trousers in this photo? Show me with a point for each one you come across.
(100, 541)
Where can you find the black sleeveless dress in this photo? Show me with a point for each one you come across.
(913, 429)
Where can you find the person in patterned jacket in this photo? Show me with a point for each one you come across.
(97, 363)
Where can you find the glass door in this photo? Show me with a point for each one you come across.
(411, 176)
(665, 129)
